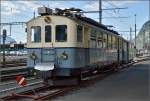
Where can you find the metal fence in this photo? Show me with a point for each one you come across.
(12, 53)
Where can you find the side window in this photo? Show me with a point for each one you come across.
(117, 46)
(93, 39)
(48, 33)
(93, 33)
(79, 33)
(36, 34)
(114, 42)
(100, 40)
(109, 41)
(61, 33)
(120, 43)
(105, 40)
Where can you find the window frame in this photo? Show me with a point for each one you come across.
(34, 35)
(50, 34)
(100, 39)
(79, 35)
(56, 33)
(105, 41)
(109, 41)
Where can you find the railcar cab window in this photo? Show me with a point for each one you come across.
(61, 33)
(36, 34)
(48, 33)
(79, 33)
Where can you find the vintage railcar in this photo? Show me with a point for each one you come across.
(64, 44)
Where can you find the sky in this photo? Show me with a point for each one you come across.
(22, 11)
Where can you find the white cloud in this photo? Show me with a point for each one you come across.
(17, 7)
(8, 8)
(33, 5)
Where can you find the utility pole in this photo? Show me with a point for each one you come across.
(34, 14)
(135, 31)
(130, 34)
(149, 33)
(100, 11)
(10, 24)
(4, 39)
(144, 44)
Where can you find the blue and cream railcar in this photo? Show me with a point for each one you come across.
(67, 46)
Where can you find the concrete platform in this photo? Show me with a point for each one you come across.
(131, 84)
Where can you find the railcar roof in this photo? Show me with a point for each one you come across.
(95, 23)
(87, 20)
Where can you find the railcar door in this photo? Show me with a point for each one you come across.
(92, 46)
(86, 45)
(48, 52)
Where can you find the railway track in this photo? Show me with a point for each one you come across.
(50, 92)
(10, 87)
(13, 76)
(11, 73)
(21, 62)
(47, 93)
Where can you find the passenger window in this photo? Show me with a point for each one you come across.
(48, 33)
(114, 42)
(104, 40)
(36, 34)
(93, 33)
(120, 43)
(109, 41)
(100, 40)
(79, 33)
(61, 33)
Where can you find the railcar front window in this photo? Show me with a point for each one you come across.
(47, 33)
(61, 33)
(36, 34)
(79, 33)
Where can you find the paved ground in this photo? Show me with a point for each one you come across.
(128, 85)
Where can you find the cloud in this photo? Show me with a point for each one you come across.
(8, 8)
(32, 5)
(17, 7)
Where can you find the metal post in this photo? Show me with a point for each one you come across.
(130, 34)
(144, 43)
(100, 11)
(149, 34)
(135, 31)
(34, 14)
(4, 39)
(135, 36)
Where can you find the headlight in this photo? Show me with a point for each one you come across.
(33, 56)
(64, 56)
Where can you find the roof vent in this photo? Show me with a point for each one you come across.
(44, 11)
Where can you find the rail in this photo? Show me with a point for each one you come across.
(61, 91)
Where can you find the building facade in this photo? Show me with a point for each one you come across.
(143, 38)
